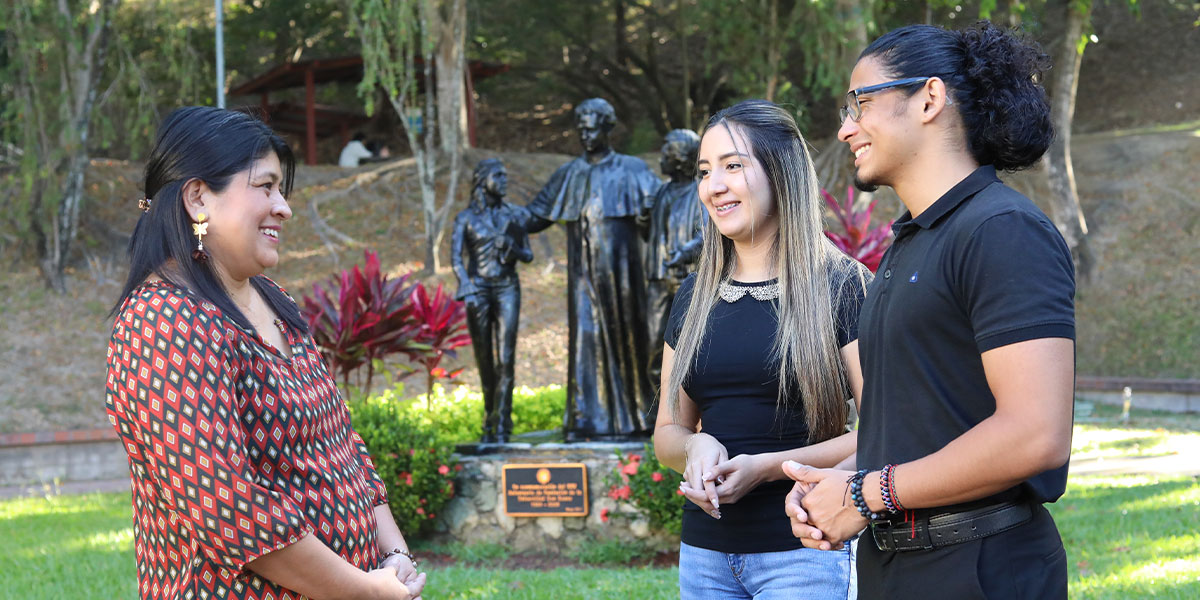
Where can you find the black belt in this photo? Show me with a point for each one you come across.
(949, 528)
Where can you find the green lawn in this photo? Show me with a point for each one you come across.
(1132, 536)
(67, 547)
(1126, 537)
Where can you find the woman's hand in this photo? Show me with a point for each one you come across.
(385, 584)
(699, 485)
(737, 476)
(406, 572)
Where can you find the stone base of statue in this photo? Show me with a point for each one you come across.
(477, 514)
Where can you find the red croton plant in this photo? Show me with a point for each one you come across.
(443, 322)
(362, 315)
(862, 243)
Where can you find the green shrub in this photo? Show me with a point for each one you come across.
(457, 416)
(650, 487)
(417, 467)
(412, 440)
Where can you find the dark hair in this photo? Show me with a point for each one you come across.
(212, 145)
(686, 137)
(483, 169)
(599, 107)
(994, 80)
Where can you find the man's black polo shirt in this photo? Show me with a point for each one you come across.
(979, 269)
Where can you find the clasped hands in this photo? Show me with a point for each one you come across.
(710, 477)
(407, 573)
(819, 506)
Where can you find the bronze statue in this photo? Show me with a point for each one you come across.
(673, 227)
(492, 232)
(597, 197)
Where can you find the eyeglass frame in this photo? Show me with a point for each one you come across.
(852, 95)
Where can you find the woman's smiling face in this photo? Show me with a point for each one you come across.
(246, 220)
(733, 185)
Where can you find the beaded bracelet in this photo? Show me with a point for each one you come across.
(856, 495)
(885, 488)
(891, 486)
(395, 551)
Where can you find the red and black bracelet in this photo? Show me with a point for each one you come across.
(887, 489)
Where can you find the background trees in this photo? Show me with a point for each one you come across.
(79, 79)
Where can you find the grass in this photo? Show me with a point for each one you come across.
(1148, 433)
(460, 583)
(1131, 537)
(67, 547)
(1127, 536)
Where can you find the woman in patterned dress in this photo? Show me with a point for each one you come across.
(248, 480)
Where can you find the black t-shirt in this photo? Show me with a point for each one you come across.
(979, 269)
(735, 385)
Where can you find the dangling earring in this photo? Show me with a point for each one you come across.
(200, 229)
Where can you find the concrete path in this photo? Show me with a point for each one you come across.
(1171, 464)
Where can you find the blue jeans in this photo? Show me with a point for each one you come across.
(802, 574)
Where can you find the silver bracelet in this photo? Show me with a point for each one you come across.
(687, 442)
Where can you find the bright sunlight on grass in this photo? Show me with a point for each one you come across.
(67, 547)
(1147, 433)
(1131, 536)
(1127, 537)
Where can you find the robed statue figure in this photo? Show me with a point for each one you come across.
(491, 232)
(673, 227)
(597, 197)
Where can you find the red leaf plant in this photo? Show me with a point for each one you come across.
(363, 315)
(862, 243)
(443, 327)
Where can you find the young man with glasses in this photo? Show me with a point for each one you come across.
(966, 334)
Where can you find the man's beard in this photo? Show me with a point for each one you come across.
(863, 186)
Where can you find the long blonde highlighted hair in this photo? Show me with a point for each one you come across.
(812, 275)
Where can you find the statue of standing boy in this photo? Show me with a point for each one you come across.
(492, 233)
(673, 227)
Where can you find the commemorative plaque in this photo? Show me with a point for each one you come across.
(546, 490)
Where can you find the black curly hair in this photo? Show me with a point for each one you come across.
(993, 76)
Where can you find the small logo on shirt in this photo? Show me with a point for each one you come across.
(913, 279)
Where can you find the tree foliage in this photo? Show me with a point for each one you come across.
(400, 40)
(55, 56)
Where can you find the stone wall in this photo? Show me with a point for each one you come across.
(476, 514)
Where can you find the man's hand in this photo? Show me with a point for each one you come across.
(810, 536)
(827, 505)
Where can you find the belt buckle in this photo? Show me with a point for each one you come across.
(887, 535)
(881, 532)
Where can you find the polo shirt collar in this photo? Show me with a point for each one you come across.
(980, 178)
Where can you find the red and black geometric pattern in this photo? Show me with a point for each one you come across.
(234, 450)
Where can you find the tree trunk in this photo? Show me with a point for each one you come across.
(85, 60)
(451, 30)
(1064, 199)
(773, 49)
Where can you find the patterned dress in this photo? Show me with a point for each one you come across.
(234, 450)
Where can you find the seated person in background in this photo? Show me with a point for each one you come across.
(354, 152)
(379, 152)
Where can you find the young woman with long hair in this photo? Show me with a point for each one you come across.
(759, 362)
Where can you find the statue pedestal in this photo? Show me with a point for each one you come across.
(476, 513)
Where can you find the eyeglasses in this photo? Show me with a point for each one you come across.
(854, 111)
